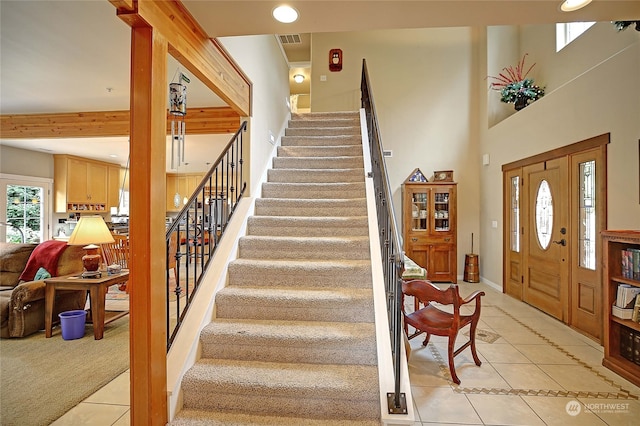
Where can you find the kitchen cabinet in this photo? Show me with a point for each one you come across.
(429, 226)
(113, 186)
(179, 187)
(81, 184)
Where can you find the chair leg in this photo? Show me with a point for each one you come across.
(472, 337)
(426, 339)
(450, 352)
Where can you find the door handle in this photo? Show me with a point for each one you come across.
(562, 242)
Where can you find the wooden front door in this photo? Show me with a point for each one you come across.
(546, 236)
(553, 261)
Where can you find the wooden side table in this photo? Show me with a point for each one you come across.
(97, 288)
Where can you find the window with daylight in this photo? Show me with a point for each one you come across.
(515, 214)
(24, 209)
(587, 231)
(567, 32)
(24, 214)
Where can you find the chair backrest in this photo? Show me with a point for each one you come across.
(117, 252)
(173, 250)
(426, 291)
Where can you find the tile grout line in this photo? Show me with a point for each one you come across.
(623, 394)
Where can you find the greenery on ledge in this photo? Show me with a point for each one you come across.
(515, 87)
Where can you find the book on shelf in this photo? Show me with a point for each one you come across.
(635, 317)
(631, 263)
(626, 295)
(626, 343)
(636, 347)
(635, 263)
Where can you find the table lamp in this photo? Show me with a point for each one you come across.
(90, 231)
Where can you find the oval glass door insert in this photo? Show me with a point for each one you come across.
(544, 214)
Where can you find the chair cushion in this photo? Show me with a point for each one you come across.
(412, 270)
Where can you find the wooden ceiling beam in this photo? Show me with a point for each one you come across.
(190, 45)
(211, 120)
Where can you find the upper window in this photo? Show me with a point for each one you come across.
(567, 32)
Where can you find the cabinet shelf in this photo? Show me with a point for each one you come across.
(627, 323)
(622, 280)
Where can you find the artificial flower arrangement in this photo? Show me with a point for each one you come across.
(515, 87)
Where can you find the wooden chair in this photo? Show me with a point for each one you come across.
(117, 253)
(430, 319)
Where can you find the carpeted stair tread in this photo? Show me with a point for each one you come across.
(321, 248)
(320, 151)
(292, 304)
(293, 340)
(316, 175)
(318, 162)
(321, 140)
(329, 122)
(308, 226)
(320, 391)
(325, 115)
(292, 379)
(191, 417)
(322, 131)
(313, 190)
(290, 341)
(310, 207)
(305, 273)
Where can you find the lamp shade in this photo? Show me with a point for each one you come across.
(90, 230)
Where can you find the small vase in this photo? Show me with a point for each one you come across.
(520, 103)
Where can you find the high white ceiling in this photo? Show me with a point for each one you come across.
(72, 56)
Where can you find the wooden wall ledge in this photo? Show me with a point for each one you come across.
(211, 120)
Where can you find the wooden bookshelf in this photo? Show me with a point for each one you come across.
(614, 242)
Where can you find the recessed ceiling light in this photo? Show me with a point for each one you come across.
(285, 14)
(571, 5)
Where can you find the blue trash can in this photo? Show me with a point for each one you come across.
(72, 324)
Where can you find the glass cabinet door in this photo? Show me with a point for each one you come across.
(441, 210)
(419, 211)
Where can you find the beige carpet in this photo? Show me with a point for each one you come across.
(293, 341)
(41, 379)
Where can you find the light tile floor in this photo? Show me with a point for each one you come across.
(537, 372)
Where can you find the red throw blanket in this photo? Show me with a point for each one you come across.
(46, 256)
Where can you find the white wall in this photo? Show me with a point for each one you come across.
(260, 57)
(424, 91)
(22, 162)
(599, 96)
(436, 111)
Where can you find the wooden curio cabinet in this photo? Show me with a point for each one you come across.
(429, 226)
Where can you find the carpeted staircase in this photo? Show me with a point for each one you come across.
(293, 342)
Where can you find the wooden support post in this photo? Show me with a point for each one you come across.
(148, 350)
